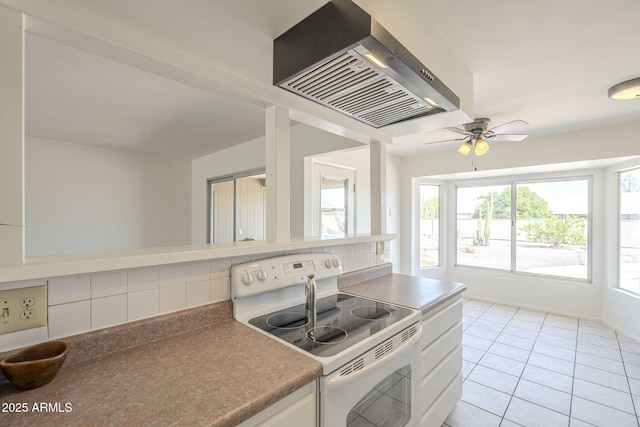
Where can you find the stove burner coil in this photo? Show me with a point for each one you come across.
(288, 320)
(327, 335)
(371, 313)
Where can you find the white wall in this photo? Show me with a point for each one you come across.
(82, 198)
(396, 215)
(595, 300)
(11, 137)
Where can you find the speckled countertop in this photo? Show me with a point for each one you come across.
(414, 292)
(219, 374)
(197, 367)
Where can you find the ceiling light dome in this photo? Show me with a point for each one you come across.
(625, 90)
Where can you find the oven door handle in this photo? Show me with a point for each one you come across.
(341, 381)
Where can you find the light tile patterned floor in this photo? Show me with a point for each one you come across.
(530, 368)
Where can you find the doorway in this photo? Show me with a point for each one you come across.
(333, 200)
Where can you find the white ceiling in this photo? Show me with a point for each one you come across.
(546, 62)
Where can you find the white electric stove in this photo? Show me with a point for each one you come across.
(369, 350)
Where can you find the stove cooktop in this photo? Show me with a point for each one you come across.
(341, 321)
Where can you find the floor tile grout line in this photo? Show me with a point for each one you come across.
(477, 363)
(520, 376)
(624, 366)
(526, 363)
(573, 376)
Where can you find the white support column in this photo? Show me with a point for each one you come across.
(378, 159)
(11, 137)
(278, 132)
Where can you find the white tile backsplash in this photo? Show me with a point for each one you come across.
(67, 289)
(198, 293)
(142, 304)
(108, 284)
(84, 302)
(108, 311)
(220, 289)
(141, 279)
(170, 275)
(198, 271)
(220, 268)
(24, 338)
(172, 298)
(69, 319)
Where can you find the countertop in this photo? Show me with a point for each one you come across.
(419, 293)
(218, 375)
(90, 262)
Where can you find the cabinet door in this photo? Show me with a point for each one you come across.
(297, 409)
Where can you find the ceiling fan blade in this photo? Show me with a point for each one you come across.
(445, 140)
(507, 137)
(507, 127)
(458, 130)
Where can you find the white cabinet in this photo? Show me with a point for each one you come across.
(441, 363)
(298, 409)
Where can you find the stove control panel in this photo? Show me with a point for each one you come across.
(269, 274)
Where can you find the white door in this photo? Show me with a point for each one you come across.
(333, 200)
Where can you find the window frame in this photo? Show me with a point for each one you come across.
(618, 283)
(513, 183)
(441, 223)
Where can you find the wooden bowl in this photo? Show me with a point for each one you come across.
(35, 366)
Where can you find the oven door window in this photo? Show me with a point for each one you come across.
(387, 404)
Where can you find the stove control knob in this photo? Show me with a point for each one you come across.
(247, 279)
(327, 263)
(262, 275)
(336, 262)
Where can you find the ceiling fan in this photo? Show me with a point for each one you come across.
(476, 135)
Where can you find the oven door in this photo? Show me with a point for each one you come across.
(379, 388)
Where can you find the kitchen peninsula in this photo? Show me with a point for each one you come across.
(192, 366)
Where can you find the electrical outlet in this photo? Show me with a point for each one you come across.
(27, 314)
(23, 308)
(28, 302)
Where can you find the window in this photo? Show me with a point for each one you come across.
(429, 225)
(629, 251)
(332, 203)
(542, 230)
(333, 206)
(551, 234)
(484, 226)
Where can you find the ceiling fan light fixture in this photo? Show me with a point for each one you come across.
(625, 90)
(481, 147)
(465, 148)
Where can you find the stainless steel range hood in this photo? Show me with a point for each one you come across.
(342, 58)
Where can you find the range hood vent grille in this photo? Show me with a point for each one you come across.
(342, 58)
(350, 84)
